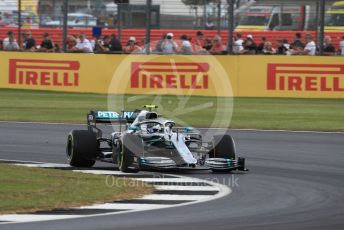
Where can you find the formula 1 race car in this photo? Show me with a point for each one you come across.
(149, 141)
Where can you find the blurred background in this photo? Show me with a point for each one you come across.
(219, 16)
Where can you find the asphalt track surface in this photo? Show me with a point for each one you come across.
(295, 182)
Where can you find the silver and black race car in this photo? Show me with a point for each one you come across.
(146, 140)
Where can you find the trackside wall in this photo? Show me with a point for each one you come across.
(244, 76)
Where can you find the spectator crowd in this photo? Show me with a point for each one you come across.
(168, 44)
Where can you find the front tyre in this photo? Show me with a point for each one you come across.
(131, 149)
(81, 148)
(223, 147)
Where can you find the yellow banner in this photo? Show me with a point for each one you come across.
(245, 76)
(279, 76)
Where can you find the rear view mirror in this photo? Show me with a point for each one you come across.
(188, 129)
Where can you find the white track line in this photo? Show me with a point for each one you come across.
(253, 130)
(46, 165)
(19, 218)
(184, 180)
(126, 206)
(185, 188)
(175, 197)
(104, 172)
(23, 162)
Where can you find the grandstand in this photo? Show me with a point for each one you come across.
(272, 36)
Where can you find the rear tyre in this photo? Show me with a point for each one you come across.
(223, 147)
(81, 148)
(128, 157)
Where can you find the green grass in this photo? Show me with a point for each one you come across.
(289, 114)
(260, 113)
(24, 189)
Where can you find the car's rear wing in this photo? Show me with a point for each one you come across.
(108, 117)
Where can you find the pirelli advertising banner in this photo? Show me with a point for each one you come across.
(245, 76)
(294, 76)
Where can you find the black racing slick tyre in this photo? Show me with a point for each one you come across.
(131, 149)
(223, 147)
(81, 148)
